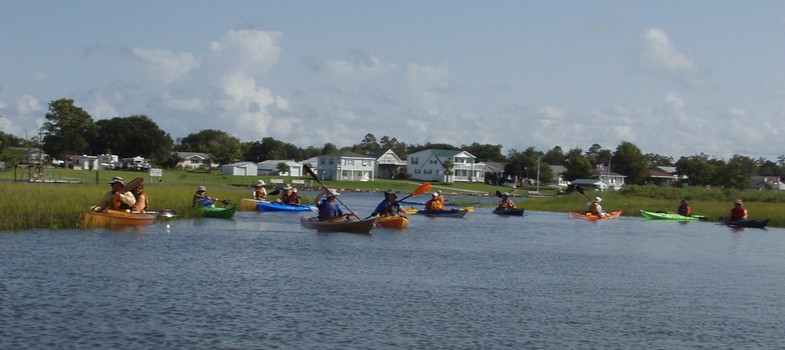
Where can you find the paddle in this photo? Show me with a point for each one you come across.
(417, 191)
(313, 175)
(274, 192)
(580, 190)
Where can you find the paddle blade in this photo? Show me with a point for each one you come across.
(499, 194)
(580, 189)
(421, 189)
(274, 193)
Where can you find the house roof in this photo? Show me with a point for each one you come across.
(186, 155)
(345, 154)
(240, 164)
(494, 167)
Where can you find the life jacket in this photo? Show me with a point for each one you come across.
(390, 208)
(737, 214)
(685, 210)
(593, 208)
(434, 205)
(260, 193)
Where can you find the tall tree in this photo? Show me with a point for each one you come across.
(486, 152)
(698, 170)
(224, 148)
(68, 129)
(738, 171)
(578, 166)
(554, 157)
(448, 170)
(131, 136)
(629, 160)
(658, 160)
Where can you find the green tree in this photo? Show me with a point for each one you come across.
(554, 157)
(578, 166)
(698, 170)
(221, 146)
(282, 168)
(68, 129)
(329, 148)
(486, 152)
(13, 156)
(132, 136)
(658, 160)
(738, 171)
(448, 170)
(629, 160)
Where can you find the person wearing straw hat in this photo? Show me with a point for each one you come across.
(326, 201)
(594, 207)
(738, 212)
(289, 195)
(201, 199)
(260, 192)
(118, 198)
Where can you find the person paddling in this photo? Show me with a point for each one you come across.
(119, 198)
(389, 206)
(738, 212)
(684, 208)
(594, 207)
(506, 203)
(326, 201)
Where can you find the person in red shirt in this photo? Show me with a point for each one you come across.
(738, 212)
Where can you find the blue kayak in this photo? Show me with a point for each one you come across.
(452, 213)
(510, 212)
(275, 206)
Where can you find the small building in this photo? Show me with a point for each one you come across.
(271, 167)
(346, 166)
(84, 162)
(239, 169)
(388, 164)
(663, 176)
(137, 163)
(194, 161)
(767, 182)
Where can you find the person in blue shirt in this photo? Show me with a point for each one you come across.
(389, 206)
(328, 206)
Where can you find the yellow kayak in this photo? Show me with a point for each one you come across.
(392, 221)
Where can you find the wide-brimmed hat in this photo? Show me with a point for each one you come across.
(436, 194)
(260, 183)
(287, 187)
(738, 201)
(117, 179)
(332, 193)
(201, 188)
(597, 199)
(390, 191)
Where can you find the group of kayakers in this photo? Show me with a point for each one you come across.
(738, 212)
(124, 198)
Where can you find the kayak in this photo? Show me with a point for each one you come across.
(448, 204)
(651, 215)
(583, 215)
(452, 213)
(219, 213)
(115, 218)
(276, 206)
(418, 211)
(509, 212)
(339, 224)
(748, 223)
(392, 221)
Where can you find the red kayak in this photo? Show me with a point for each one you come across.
(587, 216)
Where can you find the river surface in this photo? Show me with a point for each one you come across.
(261, 281)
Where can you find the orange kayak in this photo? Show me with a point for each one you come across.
(392, 221)
(114, 218)
(587, 216)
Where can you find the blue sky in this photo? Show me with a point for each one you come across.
(673, 77)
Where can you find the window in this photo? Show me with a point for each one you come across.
(348, 162)
(433, 161)
(330, 161)
(414, 160)
(365, 163)
(416, 171)
(321, 160)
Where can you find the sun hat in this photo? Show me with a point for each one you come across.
(738, 201)
(597, 199)
(260, 183)
(390, 191)
(436, 194)
(117, 179)
(201, 188)
(287, 187)
(332, 193)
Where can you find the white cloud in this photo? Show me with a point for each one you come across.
(660, 54)
(250, 51)
(184, 104)
(428, 85)
(368, 67)
(674, 100)
(102, 105)
(168, 65)
(26, 105)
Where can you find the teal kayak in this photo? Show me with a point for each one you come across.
(652, 215)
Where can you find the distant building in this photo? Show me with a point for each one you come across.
(388, 164)
(239, 169)
(346, 166)
(428, 165)
(194, 161)
(270, 167)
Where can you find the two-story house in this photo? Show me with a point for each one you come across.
(346, 166)
(194, 161)
(429, 165)
(388, 164)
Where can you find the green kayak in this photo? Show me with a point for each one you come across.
(221, 213)
(651, 215)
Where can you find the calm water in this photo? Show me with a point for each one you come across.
(483, 282)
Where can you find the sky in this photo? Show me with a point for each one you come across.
(675, 78)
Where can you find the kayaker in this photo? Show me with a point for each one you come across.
(738, 212)
(434, 204)
(389, 206)
(259, 192)
(289, 196)
(326, 201)
(201, 199)
(118, 198)
(684, 208)
(506, 203)
(142, 203)
(594, 207)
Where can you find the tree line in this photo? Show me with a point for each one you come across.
(69, 130)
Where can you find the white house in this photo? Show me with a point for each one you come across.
(84, 162)
(428, 165)
(270, 167)
(239, 169)
(194, 160)
(388, 164)
(346, 166)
